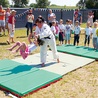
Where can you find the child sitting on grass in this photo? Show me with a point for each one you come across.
(24, 49)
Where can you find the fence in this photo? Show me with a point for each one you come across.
(60, 14)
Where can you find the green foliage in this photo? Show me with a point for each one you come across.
(62, 7)
(53, 5)
(92, 4)
(33, 5)
(4, 3)
(42, 3)
(20, 3)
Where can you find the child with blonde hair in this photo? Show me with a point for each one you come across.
(95, 35)
(61, 32)
(88, 33)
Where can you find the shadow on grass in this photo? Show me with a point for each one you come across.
(3, 43)
(21, 37)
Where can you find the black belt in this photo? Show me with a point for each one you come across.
(47, 37)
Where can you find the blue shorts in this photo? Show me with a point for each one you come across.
(67, 36)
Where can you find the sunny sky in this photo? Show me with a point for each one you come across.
(58, 2)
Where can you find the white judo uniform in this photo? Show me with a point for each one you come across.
(46, 34)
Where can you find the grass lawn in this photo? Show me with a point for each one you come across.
(81, 83)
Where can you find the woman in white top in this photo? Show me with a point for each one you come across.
(90, 18)
(51, 17)
(30, 18)
(44, 32)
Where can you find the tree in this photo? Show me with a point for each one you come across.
(4, 3)
(42, 3)
(90, 4)
(81, 4)
(20, 3)
(33, 5)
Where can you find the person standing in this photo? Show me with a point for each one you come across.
(95, 36)
(78, 16)
(77, 31)
(11, 26)
(43, 31)
(2, 19)
(88, 34)
(67, 32)
(7, 18)
(51, 17)
(61, 32)
(30, 19)
(90, 18)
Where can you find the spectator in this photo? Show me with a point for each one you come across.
(2, 19)
(90, 18)
(61, 32)
(95, 36)
(88, 33)
(67, 31)
(53, 27)
(11, 26)
(57, 30)
(77, 31)
(7, 18)
(78, 16)
(30, 18)
(51, 17)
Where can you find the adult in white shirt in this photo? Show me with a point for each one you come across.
(44, 32)
(51, 17)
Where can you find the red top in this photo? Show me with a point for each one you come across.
(10, 19)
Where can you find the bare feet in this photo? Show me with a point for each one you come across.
(8, 42)
(13, 42)
(14, 51)
(9, 49)
(42, 65)
(58, 60)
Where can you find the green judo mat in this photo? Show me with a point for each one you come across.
(79, 50)
(23, 79)
(8, 63)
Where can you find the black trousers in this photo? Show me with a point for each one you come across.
(76, 38)
(87, 39)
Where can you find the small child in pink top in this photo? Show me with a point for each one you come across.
(25, 50)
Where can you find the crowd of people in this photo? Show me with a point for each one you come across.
(48, 32)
